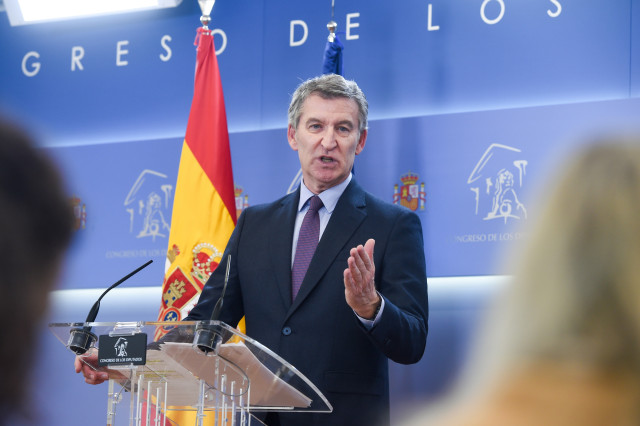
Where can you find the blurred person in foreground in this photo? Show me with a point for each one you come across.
(36, 224)
(562, 344)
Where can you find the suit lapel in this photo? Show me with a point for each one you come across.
(345, 219)
(281, 238)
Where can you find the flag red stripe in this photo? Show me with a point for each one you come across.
(211, 150)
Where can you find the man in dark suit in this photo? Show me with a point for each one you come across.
(356, 307)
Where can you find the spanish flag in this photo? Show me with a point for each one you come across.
(204, 208)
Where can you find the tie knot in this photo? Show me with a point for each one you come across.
(315, 203)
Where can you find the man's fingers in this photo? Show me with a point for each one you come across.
(361, 267)
(95, 377)
(365, 255)
(348, 280)
(91, 376)
(356, 271)
(368, 247)
(361, 259)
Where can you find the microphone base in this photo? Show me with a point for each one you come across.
(80, 340)
(207, 338)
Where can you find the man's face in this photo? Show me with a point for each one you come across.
(327, 140)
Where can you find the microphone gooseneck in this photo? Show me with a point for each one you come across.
(81, 339)
(93, 313)
(207, 337)
(216, 310)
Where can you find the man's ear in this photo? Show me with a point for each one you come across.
(291, 137)
(362, 140)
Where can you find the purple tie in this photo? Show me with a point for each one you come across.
(307, 242)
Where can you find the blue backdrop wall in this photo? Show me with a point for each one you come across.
(450, 84)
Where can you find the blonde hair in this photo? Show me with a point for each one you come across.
(581, 273)
(575, 294)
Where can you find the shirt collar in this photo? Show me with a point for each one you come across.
(329, 196)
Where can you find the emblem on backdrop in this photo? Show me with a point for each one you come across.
(496, 182)
(79, 213)
(410, 194)
(242, 201)
(149, 205)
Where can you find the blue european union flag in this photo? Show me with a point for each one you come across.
(332, 61)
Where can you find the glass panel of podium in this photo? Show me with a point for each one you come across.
(206, 368)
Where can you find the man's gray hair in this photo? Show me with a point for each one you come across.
(329, 86)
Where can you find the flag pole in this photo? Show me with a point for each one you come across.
(332, 60)
(206, 6)
(332, 25)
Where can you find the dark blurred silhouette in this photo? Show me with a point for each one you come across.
(36, 224)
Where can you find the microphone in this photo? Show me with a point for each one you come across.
(206, 338)
(82, 338)
(216, 310)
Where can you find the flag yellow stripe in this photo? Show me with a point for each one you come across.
(199, 214)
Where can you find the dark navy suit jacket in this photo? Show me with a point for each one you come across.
(319, 333)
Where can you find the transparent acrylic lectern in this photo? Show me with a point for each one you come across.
(206, 367)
